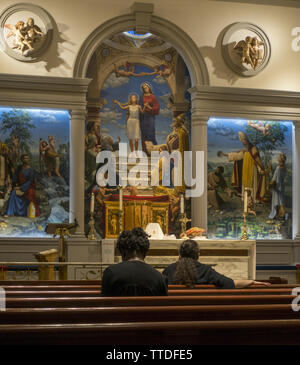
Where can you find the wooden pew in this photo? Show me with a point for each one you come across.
(184, 292)
(62, 288)
(65, 302)
(244, 332)
(145, 314)
(49, 282)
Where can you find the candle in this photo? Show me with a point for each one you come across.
(121, 198)
(245, 200)
(181, 204)
(92, 203)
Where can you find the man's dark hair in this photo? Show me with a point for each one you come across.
(186, 271)
(133, 243)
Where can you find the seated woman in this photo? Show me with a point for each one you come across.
(133, 277)
(188, 271)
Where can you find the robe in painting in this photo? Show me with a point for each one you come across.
(147, 119)
(25, 180)
(248, 172)
(278, 193)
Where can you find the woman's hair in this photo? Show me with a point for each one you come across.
(146, 84)
(186, 271)
(133, 243)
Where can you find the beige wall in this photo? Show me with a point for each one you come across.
(203, 20)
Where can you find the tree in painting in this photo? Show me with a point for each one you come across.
(16, 125)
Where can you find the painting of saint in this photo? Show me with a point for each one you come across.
(151, 108)
(262, 169)
(132, 122)
(23, 191)
(278, 189)
(34, 167)
(248, 170)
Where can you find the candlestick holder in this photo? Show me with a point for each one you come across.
(91, 235)
(244, 229)
(183, 220)
(120, 214)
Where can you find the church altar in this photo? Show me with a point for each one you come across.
(138, 211)
(233, 258)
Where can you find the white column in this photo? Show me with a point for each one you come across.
(77, 135)
(199, 143)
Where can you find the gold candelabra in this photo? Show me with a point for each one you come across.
(91, 235)
(62, 232)
(183, 220)
(244, 229)
(120, 214)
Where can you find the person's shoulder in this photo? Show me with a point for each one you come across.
(169, 268)
(114, 267)
(202, 267)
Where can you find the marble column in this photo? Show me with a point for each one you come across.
(77, 135)
(199, 143)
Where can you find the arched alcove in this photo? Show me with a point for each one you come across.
(163, 28)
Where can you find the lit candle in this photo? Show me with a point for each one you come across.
(92, 203)
(245, 200)
(121, 198)
(181, 204)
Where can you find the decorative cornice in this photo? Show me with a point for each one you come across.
(43, 91)
(243, 102)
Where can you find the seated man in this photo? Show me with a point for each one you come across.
(133, 277)
(189, 271)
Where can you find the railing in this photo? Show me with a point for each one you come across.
(46, 270)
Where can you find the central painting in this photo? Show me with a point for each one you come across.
(141, 83)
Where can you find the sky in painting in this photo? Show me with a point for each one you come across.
(222, 135)
(113, 119)
(48, 122)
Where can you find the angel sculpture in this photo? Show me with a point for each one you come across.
(257, 52)
(18, 31)
(249, 51)
(25, 35)
(261, 127)
(33, 32)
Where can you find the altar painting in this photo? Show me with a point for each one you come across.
(253, 156)
(138, 108)
(34, 170)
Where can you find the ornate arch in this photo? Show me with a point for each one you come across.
(158, 26)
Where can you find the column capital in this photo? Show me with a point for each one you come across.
(78, 113)
(199, 119)
(296, 124)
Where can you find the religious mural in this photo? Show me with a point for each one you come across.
(252, 157)
(34, 170)
(144, 104)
